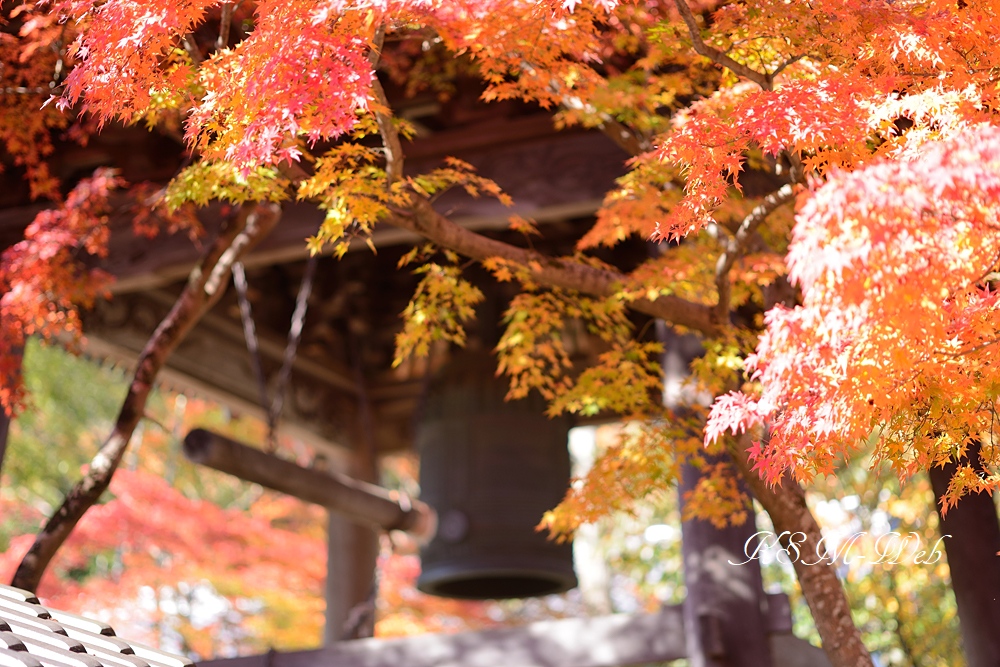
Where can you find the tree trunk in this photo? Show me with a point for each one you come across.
(786, 505)
(204, 287)
(971, 541)
(17, 356)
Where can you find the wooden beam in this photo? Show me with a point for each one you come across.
(357, 500)
(560, 176)
(602, 641)
(213, 361)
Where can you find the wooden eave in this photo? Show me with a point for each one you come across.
(557, 178)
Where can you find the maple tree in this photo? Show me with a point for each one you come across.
(822, 177)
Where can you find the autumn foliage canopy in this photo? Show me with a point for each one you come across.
(874, 122)
(823, 179)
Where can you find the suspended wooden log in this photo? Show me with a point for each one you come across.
(357, 500)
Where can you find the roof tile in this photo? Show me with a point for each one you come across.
(32, 635)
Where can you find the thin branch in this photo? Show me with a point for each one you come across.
(715, 55)
(225, 22)
(796, 170)
(972, 350)
(378, 41)
(383, 116)
(390, 137)
(625, 137)
(782, 66)
(24, 90)
(736, 246)
(202, 290)
(628, 139)
(565, 273)
(192, 49)
(758, 215)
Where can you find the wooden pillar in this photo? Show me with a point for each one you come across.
(724, 611)
(725, 623)
(972, 543)
(352, 555)
(352, 552)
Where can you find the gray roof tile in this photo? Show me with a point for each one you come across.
(17, 658)
(32, 635)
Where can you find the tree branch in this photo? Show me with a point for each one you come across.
(781, 68)
(225, 21)
(383, 116)
(717, 56)
(736, 246)
(786, 505)
(390, 138)
(626, 138)
(203, 289)
(422, 219)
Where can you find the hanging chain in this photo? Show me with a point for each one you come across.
(294, 336)
(274, 406)
(250, 334)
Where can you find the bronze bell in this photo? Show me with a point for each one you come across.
(490, 468)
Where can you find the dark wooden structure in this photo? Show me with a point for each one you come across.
(348, 342)
(972, 543)
(357, 500)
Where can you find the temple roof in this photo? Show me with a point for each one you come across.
(32, 635)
